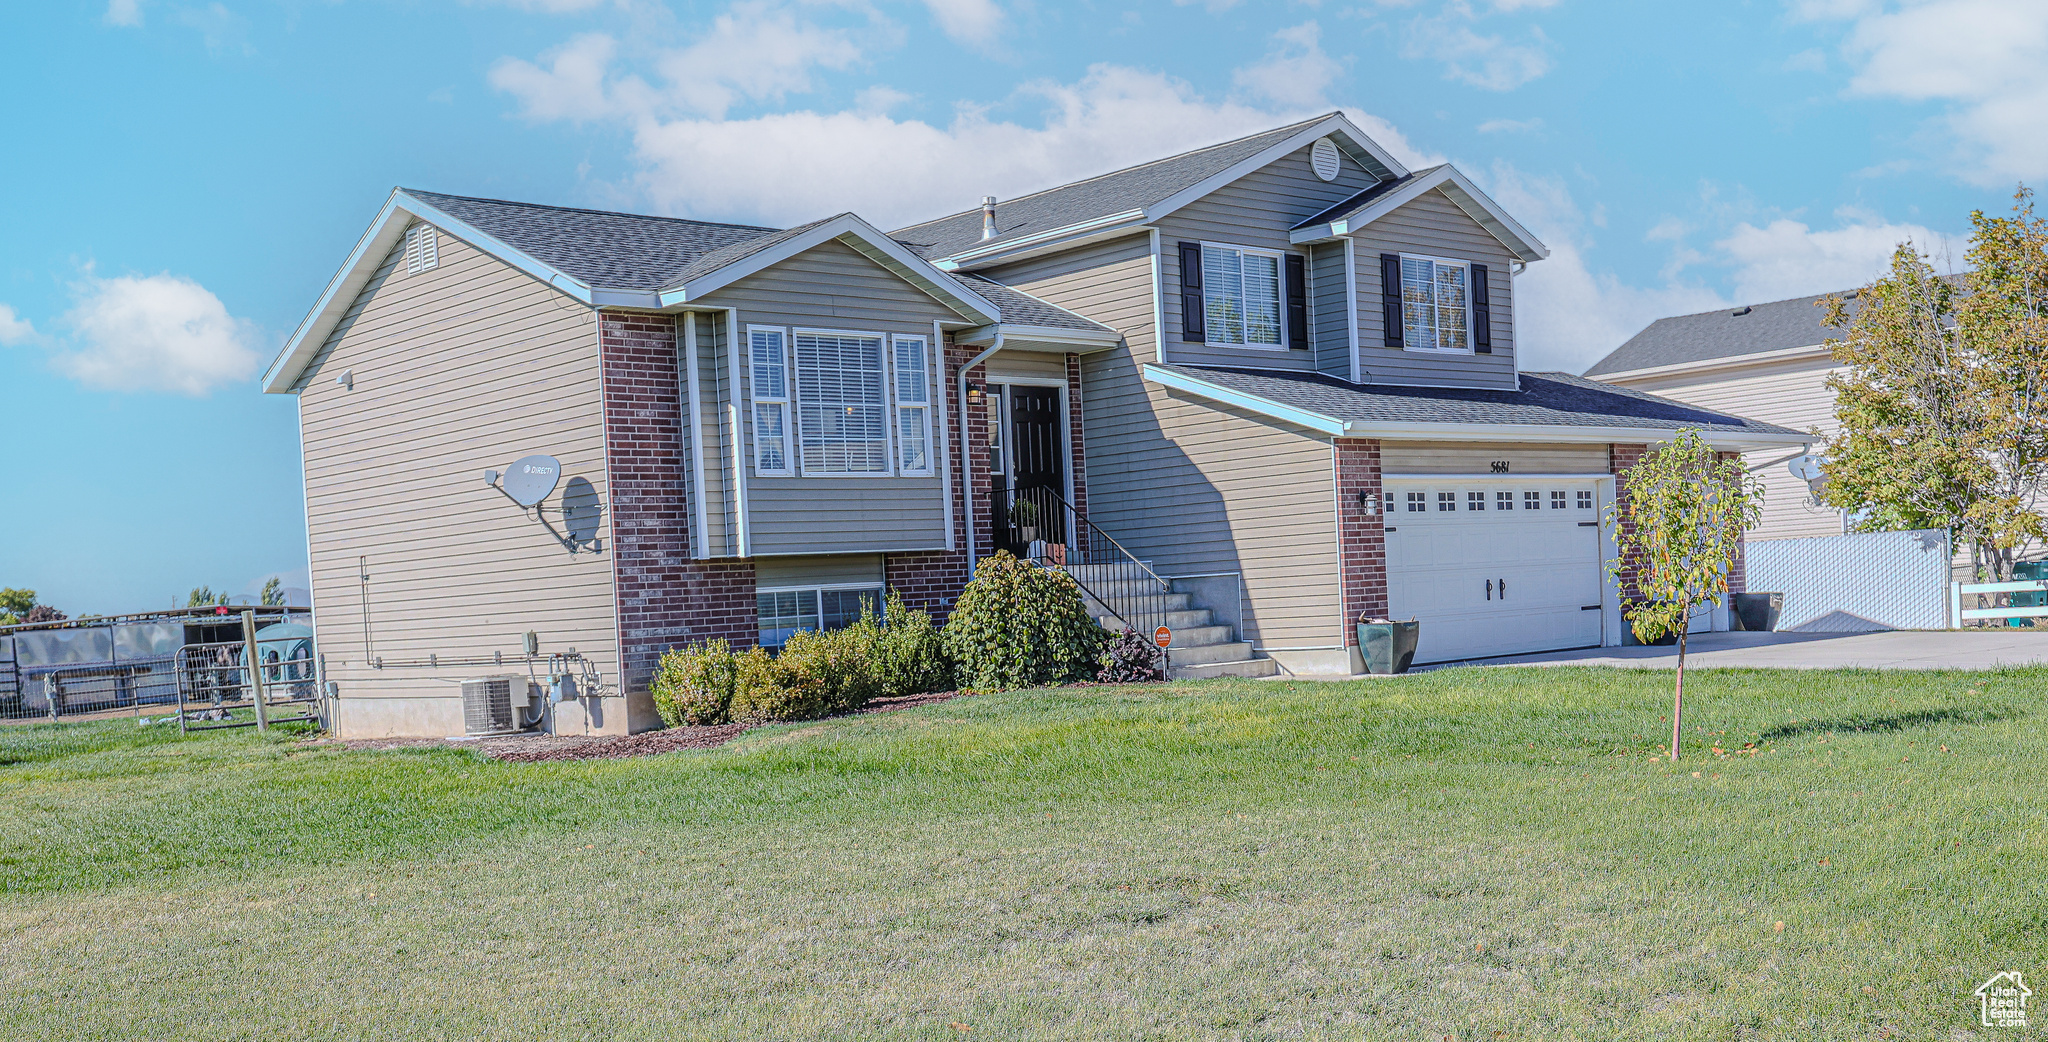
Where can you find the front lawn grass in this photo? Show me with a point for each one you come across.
(1471, 854)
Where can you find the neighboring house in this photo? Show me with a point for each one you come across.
(1768, 361)
(1280, 372)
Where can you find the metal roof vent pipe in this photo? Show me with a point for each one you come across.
(988, 217)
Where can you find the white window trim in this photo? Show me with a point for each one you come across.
(1280, 280)
(879, 588)
(897, 405)
(787, 401)
(1407, 342)
(888, 382)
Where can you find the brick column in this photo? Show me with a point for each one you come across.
(1620, 458)
(663, 597)
(1361, 536)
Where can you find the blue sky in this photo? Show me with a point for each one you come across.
(183, 176)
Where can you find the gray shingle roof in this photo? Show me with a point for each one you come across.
(1728, 333)
(1024, 309)
(1115, 192)
(1547, 399)
(1368, 195)
(614, 250)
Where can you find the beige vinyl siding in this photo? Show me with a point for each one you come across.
(1194, 489)
(458, 369)
(1790, 393)
(1432, 225)
(1441, 457)
(709, 432)
(1256, 210)
(832, 286)
(1027, 365)
(1329, 310)
(839, 569)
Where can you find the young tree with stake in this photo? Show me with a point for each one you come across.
(1678, 525)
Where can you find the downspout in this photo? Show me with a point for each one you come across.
(946, 439)
(966, 457)
(739, 437)
(700, 544)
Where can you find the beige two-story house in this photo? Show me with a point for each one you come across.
(1246, 395)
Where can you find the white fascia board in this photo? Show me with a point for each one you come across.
(1066, 237)
(1707, 365)
(362, 263)
(1248, 402)
(1336, 124)
(1476, 204)
(861, 236)
(1090, 338)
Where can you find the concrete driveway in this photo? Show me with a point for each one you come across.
(1904, 649)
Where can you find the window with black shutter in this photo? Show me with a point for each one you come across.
(1482, 315)
(1390, 298)
(1191, 327)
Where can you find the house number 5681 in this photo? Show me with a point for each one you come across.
(1500, 466)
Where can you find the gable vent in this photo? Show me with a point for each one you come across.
(422, 248)
(1322, 158)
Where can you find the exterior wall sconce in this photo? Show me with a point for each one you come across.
(974, 394)
(1368, 504)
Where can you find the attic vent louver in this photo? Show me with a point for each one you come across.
(1741, 311)
(1323, 159)
(422, 248)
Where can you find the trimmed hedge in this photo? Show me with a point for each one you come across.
(1021, 625)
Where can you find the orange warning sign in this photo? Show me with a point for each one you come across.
(1162, 636)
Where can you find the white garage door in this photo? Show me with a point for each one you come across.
(1495, 567)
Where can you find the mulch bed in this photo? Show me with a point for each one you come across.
(532, 748)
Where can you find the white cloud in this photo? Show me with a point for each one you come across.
(13, 328)
(1296, 73)
(969, 21)
(1786, 258)
(768, 168)
(1511, 126)
(756, 51)
(1490, 62)
(1213, 6)
(1987, 60)
(124, 12)
(155, 333)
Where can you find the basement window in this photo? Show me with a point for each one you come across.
(785, 611)
(422, 248)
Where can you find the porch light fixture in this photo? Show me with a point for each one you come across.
(1368, 504)
(974, 394)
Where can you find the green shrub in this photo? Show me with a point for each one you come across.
(841, 661)
(1018, 624)
(694, 684)
(909, 654)
(1131, 658)
(767, 689)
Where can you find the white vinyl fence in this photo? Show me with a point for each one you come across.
(1856, 583)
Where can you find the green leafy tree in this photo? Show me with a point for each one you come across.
(273, 593)
(1941, 397)
(1678, 525)
(204, 597)
(15, 605)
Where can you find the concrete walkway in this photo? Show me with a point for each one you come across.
(1904, 649)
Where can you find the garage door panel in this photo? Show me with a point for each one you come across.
(1490, 581)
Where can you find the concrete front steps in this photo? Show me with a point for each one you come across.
(1201, 647)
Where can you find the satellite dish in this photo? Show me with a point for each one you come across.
(1806, 468)
(531, 478)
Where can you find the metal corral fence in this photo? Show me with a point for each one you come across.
(193, 664)
(1855, 583)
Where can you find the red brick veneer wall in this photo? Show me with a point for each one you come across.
(664, 597)
(1362, 538)
(1620, 458)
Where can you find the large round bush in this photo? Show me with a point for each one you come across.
(1018, 624)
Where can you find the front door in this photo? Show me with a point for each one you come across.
(1037, 472)
(1495, 568)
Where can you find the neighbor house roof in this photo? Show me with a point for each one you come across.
(1728, 333)
(1553, 406)
(1139, 193)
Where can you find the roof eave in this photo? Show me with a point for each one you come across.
(1079, 341)
(370, 250)
(1468, 197)
(1336, 125)
(1251, 403)
(1703, 366)
(1049, 241)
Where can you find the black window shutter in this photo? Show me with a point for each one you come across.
(1390, 297)
(1482, 313)
(1297, 303)
(1191, 329)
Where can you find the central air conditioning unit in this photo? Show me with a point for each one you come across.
(494, 705)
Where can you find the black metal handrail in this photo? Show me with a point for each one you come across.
(1039, 524)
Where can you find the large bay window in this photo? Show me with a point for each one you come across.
(1241, 303)
(1435, 305)
(829, 402)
